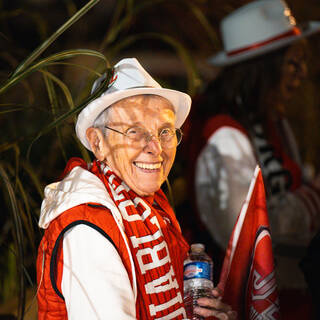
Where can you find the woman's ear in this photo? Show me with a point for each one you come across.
(97, 142)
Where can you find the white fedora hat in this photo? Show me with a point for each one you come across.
(257, 28)
(129, 79)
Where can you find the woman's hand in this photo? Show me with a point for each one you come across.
(214, 306)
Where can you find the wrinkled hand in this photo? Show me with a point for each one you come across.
(209, 307)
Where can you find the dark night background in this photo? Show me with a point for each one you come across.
(24, 109)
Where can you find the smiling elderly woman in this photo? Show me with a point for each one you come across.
(112, 247)
(135, 154)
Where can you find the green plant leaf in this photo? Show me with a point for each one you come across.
(33, 177)
(52, 98)
(38, 51)
(84, 152)
(113, 32)
(18, 236)
(12, 110)
(10, 145)
(25, 216)
(48, 77)
(80, 66)
(210, 31)
(47, 62)
(192, 74)
(59, 120)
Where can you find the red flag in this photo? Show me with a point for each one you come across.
(247, 280)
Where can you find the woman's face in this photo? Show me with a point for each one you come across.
(143, 166)
(294, 70)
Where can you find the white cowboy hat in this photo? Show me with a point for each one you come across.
(129, 79)
(257, 28)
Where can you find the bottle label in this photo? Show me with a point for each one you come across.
(196, 269)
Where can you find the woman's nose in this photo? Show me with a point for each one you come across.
(153, 144)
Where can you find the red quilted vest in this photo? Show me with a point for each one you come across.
(51, 304)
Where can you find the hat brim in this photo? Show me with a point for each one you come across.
(180, 101)
(223, 59)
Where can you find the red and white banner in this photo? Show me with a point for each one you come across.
(247, 280)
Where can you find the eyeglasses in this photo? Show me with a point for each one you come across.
(168, 137)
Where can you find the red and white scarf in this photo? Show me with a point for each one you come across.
(156, 244)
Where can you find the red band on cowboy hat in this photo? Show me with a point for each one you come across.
(295, 31)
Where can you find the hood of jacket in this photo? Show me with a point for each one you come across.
(78, 187)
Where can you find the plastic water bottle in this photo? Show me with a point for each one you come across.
(197, 275)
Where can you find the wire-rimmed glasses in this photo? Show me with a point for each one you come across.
(168, 137)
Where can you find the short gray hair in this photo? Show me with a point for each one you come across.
(102, 120)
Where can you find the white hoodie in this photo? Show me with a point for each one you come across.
(94, 285)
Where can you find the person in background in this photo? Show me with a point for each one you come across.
(242, 119)
(112, 247)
